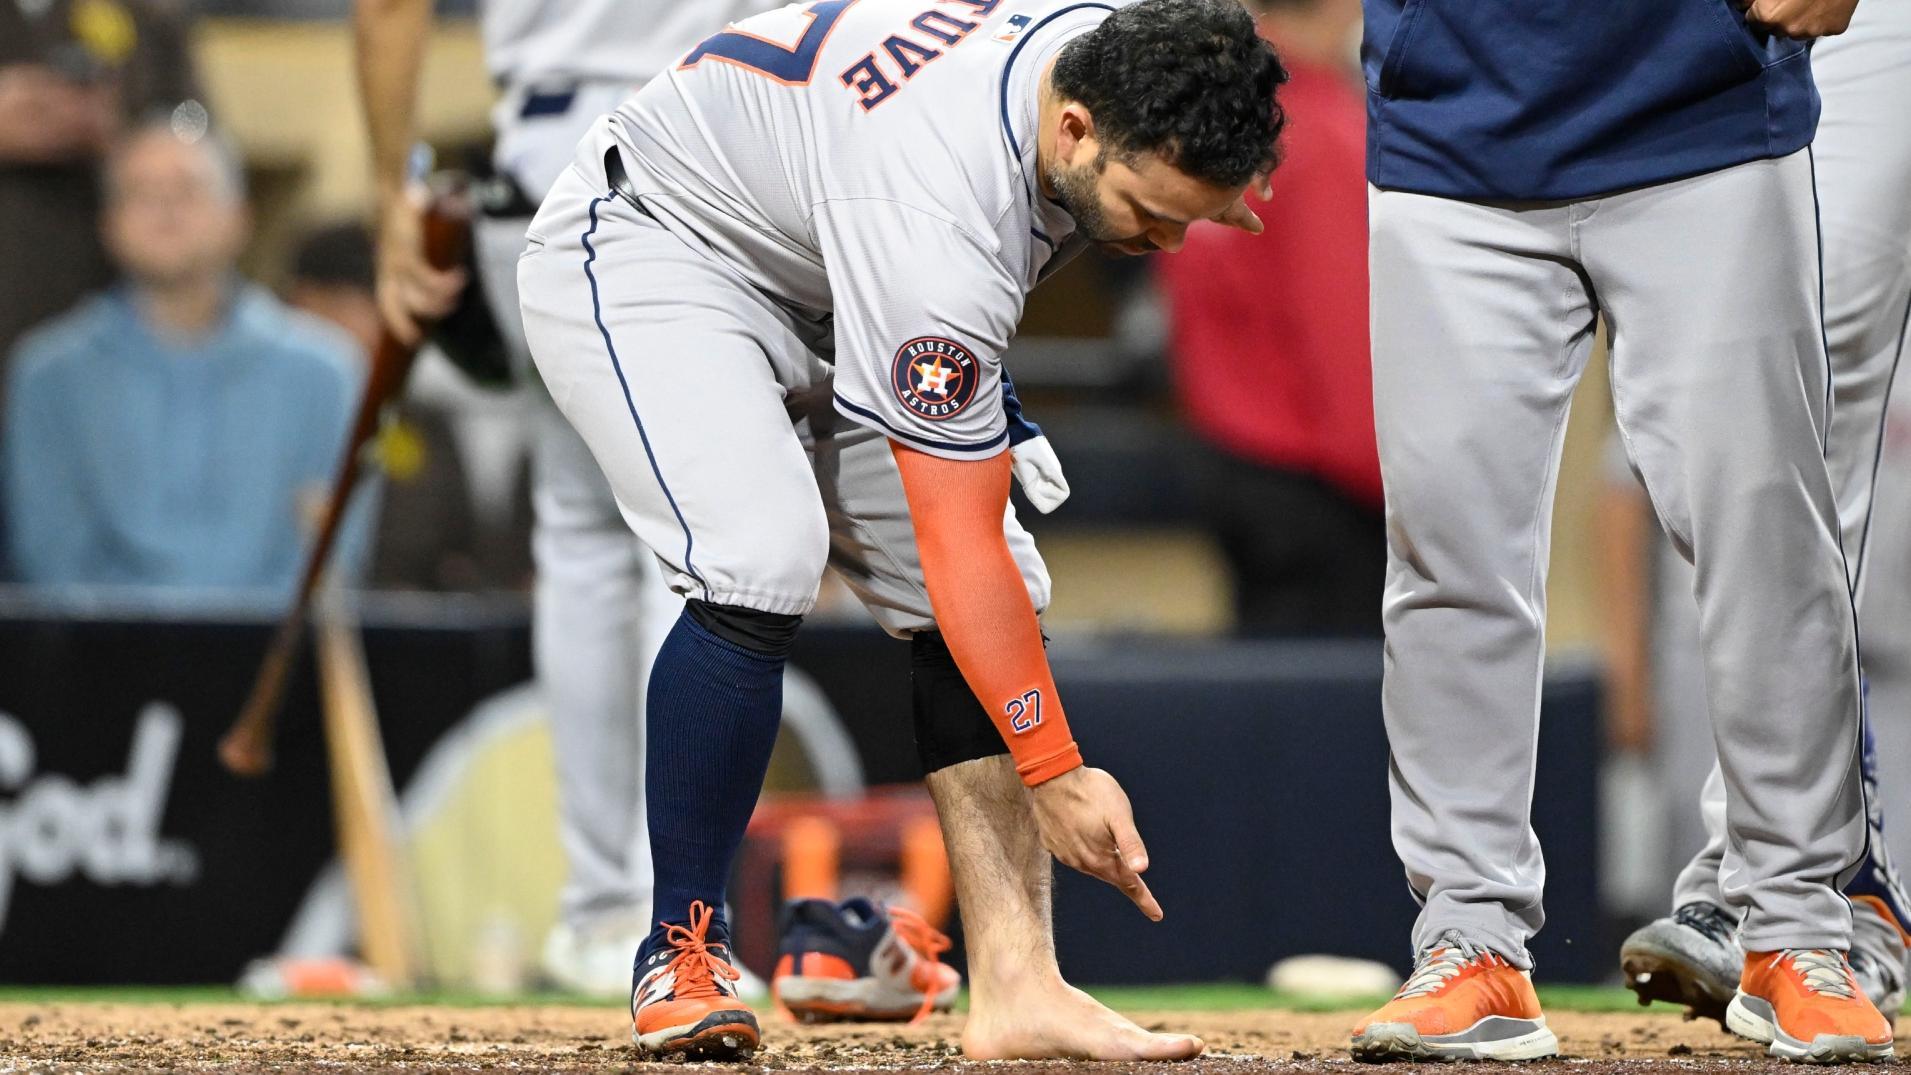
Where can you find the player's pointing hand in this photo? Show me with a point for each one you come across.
(410, 291)
(1087, 824)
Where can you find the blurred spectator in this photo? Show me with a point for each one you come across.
(427, 536)
(71, 72)
(1268, 340)
(164, 433)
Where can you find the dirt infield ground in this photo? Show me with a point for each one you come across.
(113, 1037)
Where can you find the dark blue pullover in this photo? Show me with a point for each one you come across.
(1560, 99)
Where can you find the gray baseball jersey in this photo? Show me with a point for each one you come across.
(834, 227)
(563, 63)
(872, 159)
(548, 42)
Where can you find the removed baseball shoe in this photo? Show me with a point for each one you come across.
(860, 961)
(1462, 1002)
(1691, 958)
(684, 1001)
(1805, 1005)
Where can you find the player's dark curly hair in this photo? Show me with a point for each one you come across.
(1189, 80)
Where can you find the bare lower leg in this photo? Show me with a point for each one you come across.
(1019, 1005)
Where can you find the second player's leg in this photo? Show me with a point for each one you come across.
(1710, 287)
(1862, 158)
(1720, 386)
(592, 653)
(1481, 329)
(1019, 1004)
(661, 362)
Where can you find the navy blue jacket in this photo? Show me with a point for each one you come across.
(1553, 99)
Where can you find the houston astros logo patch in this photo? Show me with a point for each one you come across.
(934, 377)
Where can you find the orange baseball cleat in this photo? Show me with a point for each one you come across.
(1806, 1005)
(1462, 1002)
(685, 998)
(859, 961)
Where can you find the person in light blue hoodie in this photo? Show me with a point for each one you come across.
(170, 433)
(1536, 167)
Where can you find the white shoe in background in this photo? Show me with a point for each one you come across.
(593, 964)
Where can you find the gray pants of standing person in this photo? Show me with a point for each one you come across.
(1483, 318)
(1863, 172)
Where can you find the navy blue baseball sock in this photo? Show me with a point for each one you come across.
(1878, 877)
(716, 697)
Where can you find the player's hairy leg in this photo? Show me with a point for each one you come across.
(1019, 1006)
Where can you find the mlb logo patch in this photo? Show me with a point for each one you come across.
(1016, 24)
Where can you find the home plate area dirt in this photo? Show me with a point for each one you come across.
(110, 1037)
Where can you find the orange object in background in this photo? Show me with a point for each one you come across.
(812, 849)
(925, 870)
(321, 977)
(886, 845)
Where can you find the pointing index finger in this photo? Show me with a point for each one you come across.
(1131, 858)
(1136, 889)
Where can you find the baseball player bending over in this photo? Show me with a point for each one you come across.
(772, 294)
(1535, 167)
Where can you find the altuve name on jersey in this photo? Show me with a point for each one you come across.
(883, 71)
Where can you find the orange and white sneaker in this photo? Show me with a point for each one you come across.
(684, 998)
(1806, 1005)
(1462, 1002)
(857, 960)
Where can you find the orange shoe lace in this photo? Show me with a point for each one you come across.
(927, 942)
(695, 968)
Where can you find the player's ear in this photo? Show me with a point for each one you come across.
(1076, 134)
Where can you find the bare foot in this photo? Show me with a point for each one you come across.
(1062, 1022)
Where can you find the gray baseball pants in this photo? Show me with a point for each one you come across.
(1863, 160)
(707, 404)
(1483, 317)
(599, 612)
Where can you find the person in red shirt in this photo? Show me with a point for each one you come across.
(1268, 342)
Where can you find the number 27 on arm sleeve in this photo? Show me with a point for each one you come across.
(982, 605)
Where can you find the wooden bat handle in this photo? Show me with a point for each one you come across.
(247, 746)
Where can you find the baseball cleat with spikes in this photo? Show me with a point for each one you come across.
(684, 1001)
(1691, 958)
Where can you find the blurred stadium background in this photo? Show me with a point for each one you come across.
(1215, 621)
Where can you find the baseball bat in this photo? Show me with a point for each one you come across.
(364, 804)
(247, 747)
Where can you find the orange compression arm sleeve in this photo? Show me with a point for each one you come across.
(982, 605)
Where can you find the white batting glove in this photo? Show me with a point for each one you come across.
(1040, 474)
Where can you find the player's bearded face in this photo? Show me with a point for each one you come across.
(1079, 191)
(1140, 204)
